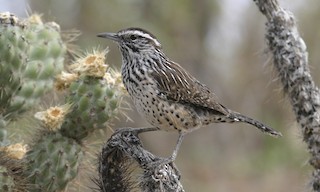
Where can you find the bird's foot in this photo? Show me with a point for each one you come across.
(164, 164)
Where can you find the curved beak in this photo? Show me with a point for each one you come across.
(112, 36)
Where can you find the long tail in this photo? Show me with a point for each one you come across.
(237, 117)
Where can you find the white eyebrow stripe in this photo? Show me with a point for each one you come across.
(145, 35)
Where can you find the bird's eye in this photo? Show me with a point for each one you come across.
(133, 37)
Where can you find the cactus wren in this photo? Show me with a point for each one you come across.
(167, 95)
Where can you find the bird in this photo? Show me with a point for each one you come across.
(167, 95)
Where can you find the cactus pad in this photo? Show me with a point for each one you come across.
(94, 103)
(52, 162)
(95, 96)
(31, 54)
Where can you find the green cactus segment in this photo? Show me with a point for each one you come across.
(3, 132)
(3, 137)
(94, 103)
(53, 162)
(10, 174)
(6, 180)
(31, 55)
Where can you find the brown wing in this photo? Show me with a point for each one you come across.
(178, 85)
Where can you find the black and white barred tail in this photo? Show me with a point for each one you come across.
(237, 117)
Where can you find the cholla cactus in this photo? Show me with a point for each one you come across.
(52, 162)
(11, 166)
(31, 54)
(95, 95)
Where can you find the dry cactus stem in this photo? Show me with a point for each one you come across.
(290, 58)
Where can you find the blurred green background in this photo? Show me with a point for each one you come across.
(221, 42)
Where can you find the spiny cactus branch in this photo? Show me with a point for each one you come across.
(290, 59)
(125, 144)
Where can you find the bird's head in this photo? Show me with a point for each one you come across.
(133, 39)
